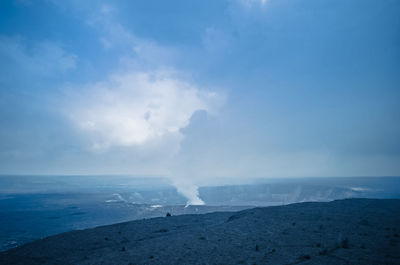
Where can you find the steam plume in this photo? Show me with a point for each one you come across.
(141, 110)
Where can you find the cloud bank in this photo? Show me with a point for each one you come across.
(140, 110)
(136, 108)
(309, 95)
(40, 58)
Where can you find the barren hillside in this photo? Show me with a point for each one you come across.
(353, 231)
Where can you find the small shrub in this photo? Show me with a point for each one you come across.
(393, 242)
(345, 243)
(233, 217)
(123, 249)
(168, 215)
(106, 238)
(294, 223)
(319, 245)
(202, 238)
(163, 230)
(151, 257)
(363, 246)
(257, 248)
(323, 252)
(305, 257)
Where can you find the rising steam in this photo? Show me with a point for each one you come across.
(189, 190)
(141, 109)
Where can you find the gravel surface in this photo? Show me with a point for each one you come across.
(352, 231)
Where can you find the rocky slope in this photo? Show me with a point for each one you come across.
(353, 231)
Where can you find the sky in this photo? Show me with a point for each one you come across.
(200, 91)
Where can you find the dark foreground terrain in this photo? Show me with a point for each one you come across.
(34, 207)
(28, 217)
(352, 231)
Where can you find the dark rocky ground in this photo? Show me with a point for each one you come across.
(28, 217)
(352, 231)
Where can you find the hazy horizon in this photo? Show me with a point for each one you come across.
(199, 131)
(200, 91)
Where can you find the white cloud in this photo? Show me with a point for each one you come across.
(131, 49)
(136, 108)
(254, 2)
(144, 111)
(142, 108)
(42, 58)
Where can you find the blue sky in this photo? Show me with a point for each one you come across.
(200, 90)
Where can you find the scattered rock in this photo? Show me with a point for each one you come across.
(345, 243)
(305, 257)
